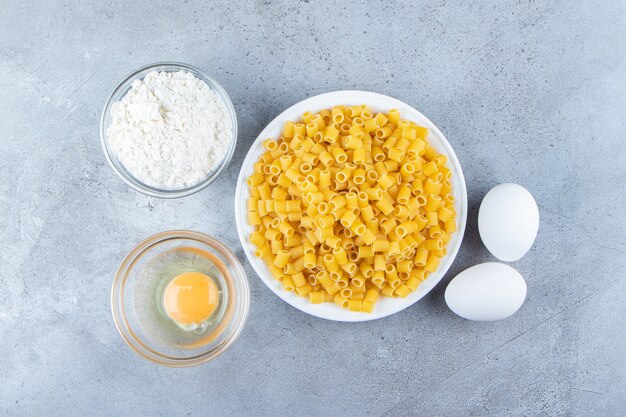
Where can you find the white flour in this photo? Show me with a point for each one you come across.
(170, 130)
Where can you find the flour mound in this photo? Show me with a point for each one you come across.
(170, 130)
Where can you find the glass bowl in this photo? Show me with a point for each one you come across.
(123, 88)
(137, 310)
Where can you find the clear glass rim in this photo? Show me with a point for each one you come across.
(118, 310)
(154, 191)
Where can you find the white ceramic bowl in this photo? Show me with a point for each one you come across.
(378, 102)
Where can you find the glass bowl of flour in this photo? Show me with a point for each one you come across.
(168, 130)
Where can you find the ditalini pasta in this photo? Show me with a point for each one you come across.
(349, 205)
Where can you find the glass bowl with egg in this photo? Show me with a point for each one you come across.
(180, 298)
(168, 130)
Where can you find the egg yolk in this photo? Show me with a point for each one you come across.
(190, 298)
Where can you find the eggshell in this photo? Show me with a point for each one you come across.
(486, 292)
(508, 221)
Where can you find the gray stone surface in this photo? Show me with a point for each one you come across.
(527, 91)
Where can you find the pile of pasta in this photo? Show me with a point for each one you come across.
(348, 204)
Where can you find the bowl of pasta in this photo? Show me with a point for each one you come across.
(351, 205)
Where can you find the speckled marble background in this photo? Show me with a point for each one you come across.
(526, 91)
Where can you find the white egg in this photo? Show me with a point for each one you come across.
(486, 292)
(508, 221)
